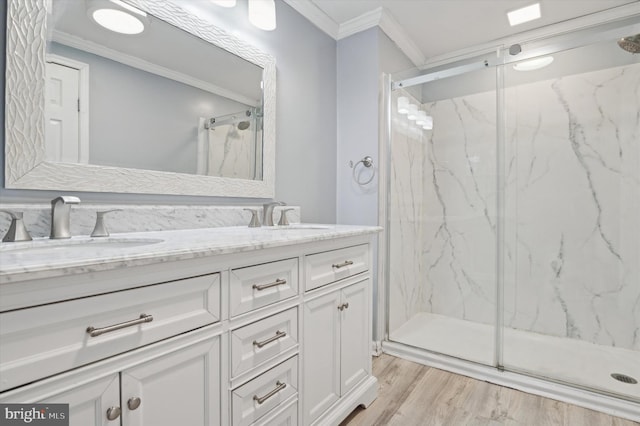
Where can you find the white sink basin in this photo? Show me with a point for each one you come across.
(71, 247)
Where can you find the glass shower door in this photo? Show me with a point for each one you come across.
(572, 247)
(442, 216)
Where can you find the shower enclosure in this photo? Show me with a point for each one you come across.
(513, 211)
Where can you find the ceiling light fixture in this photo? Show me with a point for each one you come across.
(421, 118)
(413, 112)
(117, 16)
(403, 105)
(118, 21)
(533, 64)
(524, 14)
(262, 14)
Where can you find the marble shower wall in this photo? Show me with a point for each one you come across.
(407, 293)
(231, 151)
(442, 215)
(572, 203)
(573, 207)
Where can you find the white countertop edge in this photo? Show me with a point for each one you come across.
(175, 246)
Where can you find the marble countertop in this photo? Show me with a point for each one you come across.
(44, 258)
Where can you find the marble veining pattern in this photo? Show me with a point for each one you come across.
(572, 202)
(156, 247)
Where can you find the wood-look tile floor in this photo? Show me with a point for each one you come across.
(413, 394)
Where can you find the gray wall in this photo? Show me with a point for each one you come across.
(305, 127)
(362, 60)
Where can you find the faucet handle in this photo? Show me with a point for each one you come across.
(100, 230)
(283, 217)
(17, 231)
(255, 222)
(66, 199)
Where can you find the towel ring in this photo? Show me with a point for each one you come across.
(366, 162)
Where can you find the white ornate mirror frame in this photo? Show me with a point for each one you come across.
(25, 164)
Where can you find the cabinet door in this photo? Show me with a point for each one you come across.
(321, 381)
(355, 343)
(88, 403)
(180, 388)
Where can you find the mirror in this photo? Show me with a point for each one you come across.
(181, 108)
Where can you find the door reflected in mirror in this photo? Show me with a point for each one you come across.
(162, 99)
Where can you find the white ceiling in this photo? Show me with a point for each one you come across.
(428, 29)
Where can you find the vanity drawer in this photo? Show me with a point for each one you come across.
(256, 286)
(263, 340)
(287, 415)
(327, 267)
(256, 398)
(44, 340)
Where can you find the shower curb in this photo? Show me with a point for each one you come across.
(560, 392)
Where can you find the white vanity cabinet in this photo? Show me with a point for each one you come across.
(337, 334)
(256, 335)
(178, 387)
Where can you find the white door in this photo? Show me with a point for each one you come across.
(321, 379)
(62, 133)
(180, 388)
(355, 343)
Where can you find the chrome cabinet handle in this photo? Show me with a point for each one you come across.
(343, 264)
(279, 387)
(278, 335)
(133, 403)
(113, 413)
(343, 306)
(93, 332)
(277, 282)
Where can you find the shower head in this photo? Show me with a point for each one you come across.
(630, 44)
(243, 125)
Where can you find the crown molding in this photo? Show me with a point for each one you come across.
(399, 36)
(360, 23)
(376, 18)
(317, 17)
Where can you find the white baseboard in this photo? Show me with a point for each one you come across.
(565, 393)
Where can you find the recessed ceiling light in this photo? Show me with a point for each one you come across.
(524, 14)
(262, 14)
(118, 21)
(533, 64)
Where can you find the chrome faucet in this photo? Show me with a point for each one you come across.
(17, 231)
(267, 212)
(60, 213)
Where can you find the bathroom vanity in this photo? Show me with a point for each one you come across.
(218, 326)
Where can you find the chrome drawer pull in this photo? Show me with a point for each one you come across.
(279, 387)
(93, 332)
(273, 284)
(343, 264)
(278, 335)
